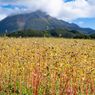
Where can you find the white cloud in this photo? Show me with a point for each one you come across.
(2, 14)
(81, 22)
(60, 9)
(2, 17)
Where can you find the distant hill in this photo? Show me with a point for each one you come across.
(38, 21)
(50, 33)
(64, 33)
(29, 33)
(93, 33)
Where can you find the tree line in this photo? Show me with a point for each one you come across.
(49, 33)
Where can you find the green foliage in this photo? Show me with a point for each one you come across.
(28, 33)
(92, 36)
(63, 32)
(82, 36)
(49, 33)
(47, 27)
(75, 32)
(1, 35)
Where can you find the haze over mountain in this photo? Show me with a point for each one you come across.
(38, 20)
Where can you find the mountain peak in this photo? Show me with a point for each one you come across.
(37, 20)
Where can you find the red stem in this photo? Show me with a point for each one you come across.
(33, 78)
(28, 81)
(20, 88)
(0, 84)
(1, 78)
(60, 85)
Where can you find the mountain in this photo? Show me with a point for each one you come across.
(38, 21)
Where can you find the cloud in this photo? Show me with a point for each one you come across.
(91, 2)
(2, 16)
(60, 9)
(81, 22)
(4, 12)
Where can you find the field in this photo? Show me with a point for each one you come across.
(47, 66)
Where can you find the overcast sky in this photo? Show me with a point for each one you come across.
(81, 12)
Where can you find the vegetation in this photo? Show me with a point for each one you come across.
(82, 36)
(48, 33)
(29, 33)
(47, 66)
(1, 35)
(64, 33)
(92, 36)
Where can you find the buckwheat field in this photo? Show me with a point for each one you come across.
(47, 66)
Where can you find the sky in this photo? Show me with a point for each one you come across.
(80, 12)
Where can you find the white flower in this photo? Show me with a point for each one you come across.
(44, 74)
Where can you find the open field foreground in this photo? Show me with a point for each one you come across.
(47, 66)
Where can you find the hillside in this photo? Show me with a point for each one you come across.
(50, 33)
(64, 33)
(38, 21)
(29, 33)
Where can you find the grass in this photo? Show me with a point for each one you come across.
(47, 66)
